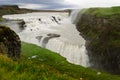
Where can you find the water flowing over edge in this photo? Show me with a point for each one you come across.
(55, 32)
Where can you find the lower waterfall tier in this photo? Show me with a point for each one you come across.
(73, 53)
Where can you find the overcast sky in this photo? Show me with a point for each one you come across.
(60, 4)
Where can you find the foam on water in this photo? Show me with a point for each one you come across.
(69, 44)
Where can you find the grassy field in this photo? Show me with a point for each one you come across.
(40, 64)
(104, 12)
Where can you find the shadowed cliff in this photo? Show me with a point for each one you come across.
(101, 28)
(10, 43)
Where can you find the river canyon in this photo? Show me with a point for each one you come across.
(54, 31)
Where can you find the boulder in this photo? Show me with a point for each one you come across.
(10, 43)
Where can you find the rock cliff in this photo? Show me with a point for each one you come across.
(101, 28)
(10, 43)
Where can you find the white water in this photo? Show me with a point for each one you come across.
(70, 44)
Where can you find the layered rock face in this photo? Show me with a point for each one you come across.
(10, 43)
(103, 41)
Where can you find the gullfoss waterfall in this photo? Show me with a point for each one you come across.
(54, 31)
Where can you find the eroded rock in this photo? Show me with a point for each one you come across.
(102, 41)
(10, 43)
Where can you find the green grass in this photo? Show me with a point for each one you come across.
(46, 66)
(104, 12)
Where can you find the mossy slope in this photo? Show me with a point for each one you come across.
(10, 43)
(104, 12)
(46, 65)
(101, 28)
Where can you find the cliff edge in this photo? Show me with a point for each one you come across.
(10, 43)
(101, 28)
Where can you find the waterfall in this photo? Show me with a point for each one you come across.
(74, 15)
(55, 32)
(14, 25)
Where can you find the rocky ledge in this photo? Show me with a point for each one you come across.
(101, 29)
(10, 43)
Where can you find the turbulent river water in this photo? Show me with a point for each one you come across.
(53, 31)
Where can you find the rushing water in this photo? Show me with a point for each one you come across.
(55, 32)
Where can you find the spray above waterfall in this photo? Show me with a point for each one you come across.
(76, 15)
(55, 32)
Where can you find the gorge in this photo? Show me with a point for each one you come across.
(98, 47)
(54, 31)
(101, 29)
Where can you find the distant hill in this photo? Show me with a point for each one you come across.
(14, 9)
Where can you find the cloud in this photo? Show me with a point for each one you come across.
(61, 4)
(4, 0)
(93, 3)
(36, 4)
(38, 1)
(31, 6)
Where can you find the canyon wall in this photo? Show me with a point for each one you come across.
(101, 29)
(10, 43)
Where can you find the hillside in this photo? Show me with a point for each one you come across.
(41, 64)
(101, 28)
(104, 12)
(12, 9)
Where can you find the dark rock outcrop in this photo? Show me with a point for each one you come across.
(10, 43)
(103, 41)
(47, 38)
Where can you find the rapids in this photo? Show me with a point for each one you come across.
(54, 31)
